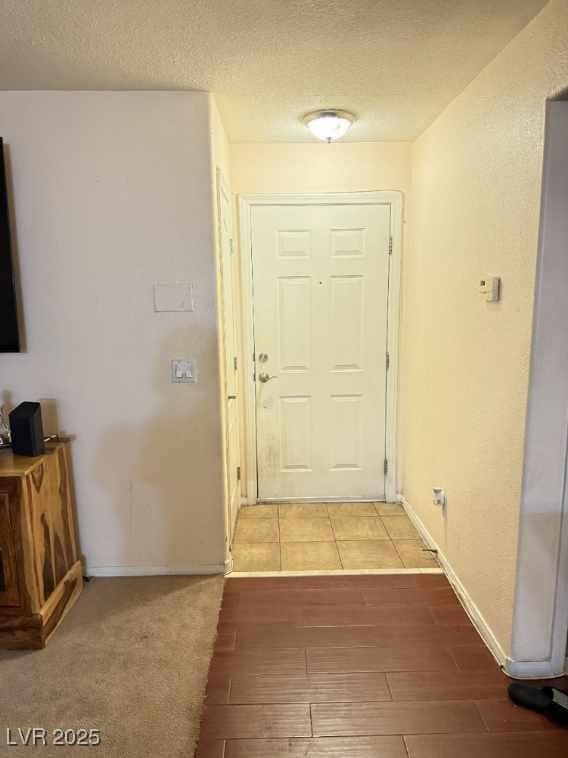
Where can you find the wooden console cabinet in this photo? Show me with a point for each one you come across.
(40, 573)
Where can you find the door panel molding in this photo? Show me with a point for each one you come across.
(349, 243)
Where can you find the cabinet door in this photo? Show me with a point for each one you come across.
(9, 546)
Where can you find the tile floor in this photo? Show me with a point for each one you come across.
(369, 666)
(327, 536)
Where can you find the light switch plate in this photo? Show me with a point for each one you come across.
(175, 296)
(183, 371)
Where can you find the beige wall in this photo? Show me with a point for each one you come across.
(317, 167)
(474, 210)
(220, 148)
(112, 193)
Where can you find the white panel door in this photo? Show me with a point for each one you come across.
(320, 276)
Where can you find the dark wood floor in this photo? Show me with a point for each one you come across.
(360, 667)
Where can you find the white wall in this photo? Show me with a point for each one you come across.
(474, 210)
(318, 167)
(112, 192)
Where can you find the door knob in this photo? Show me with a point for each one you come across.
(264, 377)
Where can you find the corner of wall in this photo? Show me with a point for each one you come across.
(474, 209)
(471, 608)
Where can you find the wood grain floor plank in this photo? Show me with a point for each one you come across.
(259, 662)
(218, 687)
(324, 747)
(272, 614)
(410, 596)
(488, 746)
(303, 597)
(504, 716)
(347, 719)
(356, 582)
(365, 616)
(255, 722)
(451, 615)
(313, 688)
(277, 635)
(214, 749)
(474, 657)
(431, 658)
(226, 640)
(329, 615)
(447, 685)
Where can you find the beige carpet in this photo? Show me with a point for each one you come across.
(130, 659)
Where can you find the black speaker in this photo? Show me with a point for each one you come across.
(27, 430)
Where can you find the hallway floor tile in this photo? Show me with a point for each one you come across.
(327, 536)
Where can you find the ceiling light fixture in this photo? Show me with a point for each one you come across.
(329, 124)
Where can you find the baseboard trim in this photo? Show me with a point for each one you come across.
(470, 607)
(196, 569)
(318, 500)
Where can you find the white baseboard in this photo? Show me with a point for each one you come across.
(196, 569)
(470, 607)
(318, 500)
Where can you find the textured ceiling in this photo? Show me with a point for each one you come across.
(396, 63)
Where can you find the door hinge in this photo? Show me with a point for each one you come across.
(231, 248)
(235, 363)
(388, 360)
(390, 245)
(238, 473)
(386, 467)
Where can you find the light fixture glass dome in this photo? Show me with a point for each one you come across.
(330, 124)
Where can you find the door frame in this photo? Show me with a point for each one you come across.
(222, 275)
(246, 203)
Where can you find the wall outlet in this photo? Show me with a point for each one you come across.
(439, 497)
